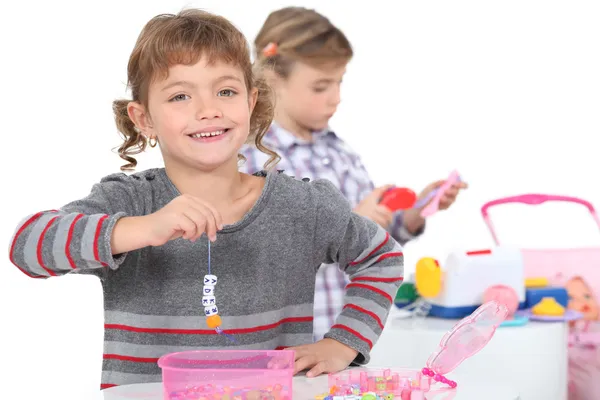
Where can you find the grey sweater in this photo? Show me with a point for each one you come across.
(265, 264)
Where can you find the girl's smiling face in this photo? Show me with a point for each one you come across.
(200, 114)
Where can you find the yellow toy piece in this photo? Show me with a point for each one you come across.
(536, 282)
(548, 307)
(428, 277)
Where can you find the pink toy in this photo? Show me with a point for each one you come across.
(467, 337)
(504, 295)
(437, 194)
(249, 374)
(577, 270)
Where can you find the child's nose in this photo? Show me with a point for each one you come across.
(208, 109)
(335, 98)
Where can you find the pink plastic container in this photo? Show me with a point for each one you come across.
(251, 374)
(384, 380)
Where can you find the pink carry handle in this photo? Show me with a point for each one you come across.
(533, 199)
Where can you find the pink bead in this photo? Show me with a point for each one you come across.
(437, 377)
(452, 384)
(427, 371)
(444, 379)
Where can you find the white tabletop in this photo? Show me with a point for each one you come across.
(307, 389)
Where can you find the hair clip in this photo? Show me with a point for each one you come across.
(270, 50)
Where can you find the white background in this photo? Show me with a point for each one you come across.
(507, 92)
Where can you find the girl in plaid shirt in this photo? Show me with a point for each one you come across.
(305, 57)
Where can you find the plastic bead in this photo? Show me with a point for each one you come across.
(208, 291)
(214, 321)
(427, 371)
(452, 384)
(208, 301)
(437, 377)
(210, 280)
(212, 310)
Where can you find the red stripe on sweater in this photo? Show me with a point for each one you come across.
(377, 279)
(107, 385)
(96, 237)
(14, 243)
(40, 244)
(387, 237)
(388, 255)
(367, 312)
(208, 331)
(353, 332)
(69, 238)
(129, 358)
(371, 288)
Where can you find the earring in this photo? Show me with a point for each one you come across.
(152, 141)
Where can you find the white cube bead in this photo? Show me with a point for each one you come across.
(212, 310)
(208, 301)
(208, 291)
(210, 280)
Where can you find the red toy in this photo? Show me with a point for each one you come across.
(398, 199)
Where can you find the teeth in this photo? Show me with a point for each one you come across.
(207, 134)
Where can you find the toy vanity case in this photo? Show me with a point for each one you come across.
(467, 337)
(467, 274)
(578, 271)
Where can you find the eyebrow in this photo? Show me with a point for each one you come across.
(229, 78)
(178, 83)
(192, 85)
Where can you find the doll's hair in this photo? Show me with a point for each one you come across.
(184, 38)
(299, 34)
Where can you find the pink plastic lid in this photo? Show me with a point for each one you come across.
(468, 336)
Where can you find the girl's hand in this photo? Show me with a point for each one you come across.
(412, 218)
(369, 207)
(186, 217)
(325, 356)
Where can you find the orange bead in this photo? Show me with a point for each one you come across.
(214, 321)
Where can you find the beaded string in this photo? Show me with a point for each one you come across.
(438, 377)
(213, 319)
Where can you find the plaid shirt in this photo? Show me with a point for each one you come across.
(326, 157)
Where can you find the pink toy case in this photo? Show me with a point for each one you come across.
(578, 270)
(465, 339)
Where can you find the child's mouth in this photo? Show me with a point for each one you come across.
(209, 136)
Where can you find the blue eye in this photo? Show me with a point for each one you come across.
(227, 93)
(180, 97)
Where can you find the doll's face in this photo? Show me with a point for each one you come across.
(582, 299)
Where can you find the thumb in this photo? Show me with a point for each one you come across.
(432, 186)
(436, 184)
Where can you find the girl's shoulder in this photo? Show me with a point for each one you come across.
(304, 193)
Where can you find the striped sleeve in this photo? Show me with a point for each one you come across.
(76, 237)
(372, 259)
(399, 231)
